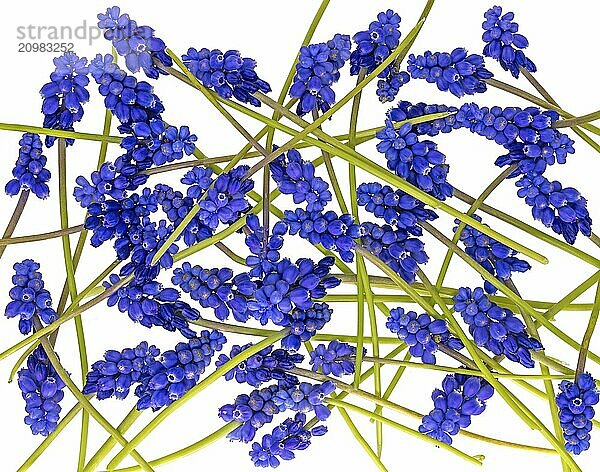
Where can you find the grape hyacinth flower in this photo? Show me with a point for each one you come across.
(253, 411)
(460, 398)
(418, 162)
(422, 334)
(218, 289)
(266, 365)
(333, 232)
(42, 390)
(397, 208)
(561, 208)
(504, 43)
(396, 248)
(65, 94)
(30, 171)
(458, 72)
(337, 358)
(296, 177)
(226, 201)
(177, 371)
(317, 70)
(289, 436)
(575, 403)
(229, 74)
(388, 88)
(304, 324)
(137, 44)
(119, 371)
(264, 256)
(127, 98)
(176, 207)
(29, 298)
(291, 286)
(497, 258)
(405, 110)
(495, 328)
(306, 397)
(150, 304)
(121, 219)
(526, 133)
(374, 45)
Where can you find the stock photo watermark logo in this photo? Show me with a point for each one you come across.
(55, 38)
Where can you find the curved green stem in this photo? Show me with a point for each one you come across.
(41, 236)
(14, 219)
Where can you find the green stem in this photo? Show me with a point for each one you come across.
(587, 337)
(35, 455)
(544, 93)
(404, 429)
(105, 449)
(571, 122)
(41, 236)
(537, 101)
(68, 259)
(164, 413)
(59, 133)
(81, 398)
(186, 451)
(530, 230)
(14, 219)
(471, 211)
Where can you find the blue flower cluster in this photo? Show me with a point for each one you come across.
(497, 258)
(42, 390)
(304, 323)
(526, 133)
(290, 287)
(225, 201)
(230, 74)
(335, 359)
(317, 70)
(504, 43)
(306, 397)
(388, 88)
(176, 207)
(118, 371)
(405, 110)
(259, 407)
(397, 208)
(460, 398)
(575, 403)
(266, 365)
(289, 436)
(396, 248)
(264, 255)
(418, 162)
(177, 371)
(495, 328)
(217, 289)
(150, 304)
(374, 45)
(253, 410)
(127, 98)
(137, 44)
(422, 334)
(561, 208)
(65, 94)
(124, 219)
(296, 177)
(333, 232)
(29, 298)
(458, 72)
(30, 171)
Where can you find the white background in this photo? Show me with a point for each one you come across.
(562, 45)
